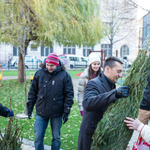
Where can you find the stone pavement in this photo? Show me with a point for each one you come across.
(29, 145)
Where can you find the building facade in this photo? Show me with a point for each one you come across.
(144, 40)
(125, 39)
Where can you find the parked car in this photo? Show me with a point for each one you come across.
(31, 62)
(74, 61)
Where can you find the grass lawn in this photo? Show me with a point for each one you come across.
(69, 132)
(15, 73)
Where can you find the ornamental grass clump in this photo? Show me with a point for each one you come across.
(111, 132)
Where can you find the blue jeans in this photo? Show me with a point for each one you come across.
(40, 128)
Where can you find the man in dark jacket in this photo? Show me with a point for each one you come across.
(5, 112)
(99, 93)
(52, 92)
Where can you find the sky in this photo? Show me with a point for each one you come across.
(146, 5)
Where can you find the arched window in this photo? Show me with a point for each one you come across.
(124, 50)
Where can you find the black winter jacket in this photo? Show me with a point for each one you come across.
(3, 111)
(51, 92)
(145, 104)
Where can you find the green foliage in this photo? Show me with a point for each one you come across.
(48, 21)
(111, 132)
(12, 138)
(69, 131)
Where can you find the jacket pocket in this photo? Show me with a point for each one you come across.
(91, 128)
(40, 101)
(58, 105)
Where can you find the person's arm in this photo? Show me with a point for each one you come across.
(94, 100)
(68, 97)
(145, 132)
(32, 95)
(80, 92)
(5, 112)
(68, 94)
(135, 124)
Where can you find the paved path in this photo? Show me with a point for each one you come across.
(12, 77)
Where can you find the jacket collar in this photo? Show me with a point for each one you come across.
(106, 82)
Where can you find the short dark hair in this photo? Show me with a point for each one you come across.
(110, 61)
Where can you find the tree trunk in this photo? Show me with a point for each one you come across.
(20, 64)
(20, 69)
(111, 46)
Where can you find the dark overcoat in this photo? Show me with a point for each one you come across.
(99, 93)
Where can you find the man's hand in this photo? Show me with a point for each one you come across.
(122, 91)
(65, 118)
(29, 115)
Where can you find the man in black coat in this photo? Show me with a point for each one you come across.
(52, 92)
(99, 93)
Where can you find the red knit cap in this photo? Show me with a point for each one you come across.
(53, 59)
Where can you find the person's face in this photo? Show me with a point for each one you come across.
(114, 73)
(50, 67)
(95, 66)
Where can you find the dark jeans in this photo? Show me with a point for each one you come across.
(40, 128)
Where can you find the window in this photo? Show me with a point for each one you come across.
(42, 50)
(124, 50)
(69, 50)
(106, 48)
(83, 59)
(73, 58)
(86, 50)
(73, 51)
(46, 50)
(15, 51)
(29, 60)
(64, 51)
(33, 47)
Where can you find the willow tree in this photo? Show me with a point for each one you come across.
(48, 21)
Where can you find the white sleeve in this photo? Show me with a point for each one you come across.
(145, 132)
(80, 93)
